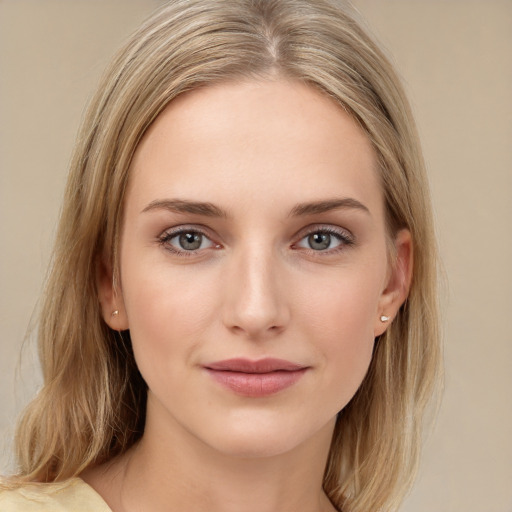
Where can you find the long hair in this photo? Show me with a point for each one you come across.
(92, 405)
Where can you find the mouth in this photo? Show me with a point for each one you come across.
(256, 378)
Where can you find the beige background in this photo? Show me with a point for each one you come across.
(456, 59)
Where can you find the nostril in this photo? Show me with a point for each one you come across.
(256, 332)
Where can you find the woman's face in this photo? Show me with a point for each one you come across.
(253, 265)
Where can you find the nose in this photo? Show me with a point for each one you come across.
(255, 299)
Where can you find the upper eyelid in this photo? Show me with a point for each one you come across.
(299, 235)
(164, 239)
(331, 228)
(183, 228)
(168, 234)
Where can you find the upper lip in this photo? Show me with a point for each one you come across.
(266, 365)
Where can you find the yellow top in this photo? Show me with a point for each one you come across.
(73, 495)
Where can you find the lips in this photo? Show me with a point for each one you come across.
(256, 378)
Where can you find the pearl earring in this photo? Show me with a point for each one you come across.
(384, 318)
(115, 313)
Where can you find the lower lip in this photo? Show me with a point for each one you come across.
(257, 384)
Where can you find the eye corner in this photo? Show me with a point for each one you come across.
(174, 240)
(329, 235)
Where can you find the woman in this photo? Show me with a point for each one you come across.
(241, 312)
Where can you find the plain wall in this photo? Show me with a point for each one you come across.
(455, 57)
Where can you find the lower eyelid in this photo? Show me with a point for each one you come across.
(165, 241)
(343, 238)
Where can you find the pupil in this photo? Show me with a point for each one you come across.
(319, 241)
(190, 241)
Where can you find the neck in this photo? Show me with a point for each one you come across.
(192, 476)
(170, 469)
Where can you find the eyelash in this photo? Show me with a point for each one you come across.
(344, 237)
(167, 236)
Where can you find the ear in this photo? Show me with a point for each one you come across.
(110, 297)
(398, 282)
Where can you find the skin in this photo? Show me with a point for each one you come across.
(258, 286)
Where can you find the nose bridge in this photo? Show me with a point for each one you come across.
(255, 303)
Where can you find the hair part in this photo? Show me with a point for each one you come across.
(92, 405)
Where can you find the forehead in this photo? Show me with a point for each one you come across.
(275, 140)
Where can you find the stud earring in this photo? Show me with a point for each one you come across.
(115, 313)
(384, 318)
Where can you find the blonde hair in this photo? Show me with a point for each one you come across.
(92, 405)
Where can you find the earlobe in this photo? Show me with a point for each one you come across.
(110, 297)
(398, 282)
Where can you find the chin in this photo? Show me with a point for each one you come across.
(254, 447)
(263, 438)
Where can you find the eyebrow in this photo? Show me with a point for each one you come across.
(317, 207)
(210, 210)
(185, 206)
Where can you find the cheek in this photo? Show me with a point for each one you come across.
(342, 306)
(167, 315)
(339, 320)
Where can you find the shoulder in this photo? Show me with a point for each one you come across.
(72, 495)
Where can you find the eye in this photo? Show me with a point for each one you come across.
(325, 240)
(183, 241)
